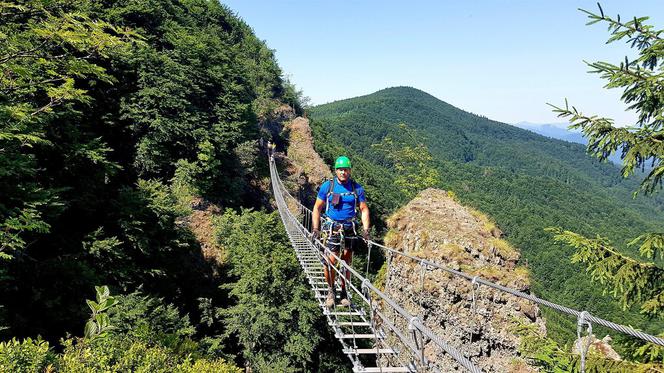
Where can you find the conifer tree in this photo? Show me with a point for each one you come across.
(640, 145)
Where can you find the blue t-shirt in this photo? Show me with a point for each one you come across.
(346, 209)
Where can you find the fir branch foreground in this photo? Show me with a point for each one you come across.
(632, 281)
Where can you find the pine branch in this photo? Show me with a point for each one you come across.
(630, 280)
(634, 26)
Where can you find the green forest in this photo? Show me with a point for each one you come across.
(114, 117)
(524, 181)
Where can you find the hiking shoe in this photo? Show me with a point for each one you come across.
(329, 301)
(345, 302)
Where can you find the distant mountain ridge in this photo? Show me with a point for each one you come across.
(523, 180)
(554, 130)
(560, 131)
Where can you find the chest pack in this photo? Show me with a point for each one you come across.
(340, 195)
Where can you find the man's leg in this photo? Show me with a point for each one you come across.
(328, 271)
(329, 274)
(346, 256)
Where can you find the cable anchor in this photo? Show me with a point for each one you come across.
(584, 347)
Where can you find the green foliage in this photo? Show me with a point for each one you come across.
(27, 220)
(112, 354)
(46, 48)
(183, 186)
(121, 354)
(29, 355)
(630, 281)
(639, 78)
(274, 316)
(412, 164)
(113, 116)
(99, 323)
(150, 336)
(548, 355)
(153, 321)
(295, 97)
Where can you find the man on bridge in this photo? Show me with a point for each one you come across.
(341, 198)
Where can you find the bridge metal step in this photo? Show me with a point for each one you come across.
(381, 369)
(343, 313)
(323, 296)
(369, 351)
(351, 323)
(359, 336)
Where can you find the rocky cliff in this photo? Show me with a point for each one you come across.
(435, 227)
(306, 169)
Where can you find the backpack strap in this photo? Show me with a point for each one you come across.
(327, 197)
(352, 184)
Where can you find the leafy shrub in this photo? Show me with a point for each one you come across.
(29, 355)
(124, 354)
(150, 320)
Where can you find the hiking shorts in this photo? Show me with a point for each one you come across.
(333, 231)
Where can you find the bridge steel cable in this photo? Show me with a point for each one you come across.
(584, 315)
(398, 339)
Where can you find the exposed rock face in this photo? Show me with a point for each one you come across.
(301, 151)
(435, 227)
(306, 167)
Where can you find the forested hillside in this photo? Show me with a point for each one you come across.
(114, 116)
(524, 181)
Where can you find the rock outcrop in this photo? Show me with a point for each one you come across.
(600, 347)
(435, 227)
(301, 150)
(306, 168)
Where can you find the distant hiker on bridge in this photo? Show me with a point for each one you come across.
(341, 197)
(271, 146)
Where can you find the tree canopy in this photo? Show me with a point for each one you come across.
(114, 115)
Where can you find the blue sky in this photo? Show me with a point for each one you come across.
(502, 59)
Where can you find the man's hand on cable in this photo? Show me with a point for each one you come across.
(315, 235)
(366, 235)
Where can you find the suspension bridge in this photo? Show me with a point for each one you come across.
(376, 333)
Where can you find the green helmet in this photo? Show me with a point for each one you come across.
(342, 162)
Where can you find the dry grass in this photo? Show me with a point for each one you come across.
(504, 249)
